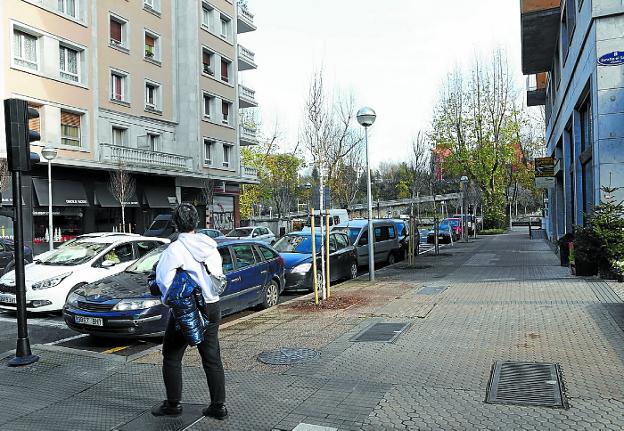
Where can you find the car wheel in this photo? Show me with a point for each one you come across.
(354, 270)
(391, 259)
(271, 295)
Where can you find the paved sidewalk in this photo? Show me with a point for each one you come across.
(496, 298)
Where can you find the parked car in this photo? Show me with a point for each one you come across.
(403, 235)
(83, 236)
(296, 250)
(122, 306)
(470, 222)
(161, 227)
(387, 247)
(50, 280)
(336, 217)
(7, 255)
(449, 229)
(258, 233)
(212, 233)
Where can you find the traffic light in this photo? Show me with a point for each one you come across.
(18, 134)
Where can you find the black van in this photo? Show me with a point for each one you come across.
(161, 227)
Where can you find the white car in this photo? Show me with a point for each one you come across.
(45, 254)
(51, 278)
(259, 233)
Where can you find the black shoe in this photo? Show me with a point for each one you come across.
(167, 409)
(216, 411)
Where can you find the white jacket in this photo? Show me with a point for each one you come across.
(190, 252)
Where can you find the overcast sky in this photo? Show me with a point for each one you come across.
(392, 54)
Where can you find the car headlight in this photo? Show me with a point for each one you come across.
(136, 304)
(301, 269)
(50, 282)
(73, 299)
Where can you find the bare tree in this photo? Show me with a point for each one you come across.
(123, 187)
(347, 177)
(5, 175)
(207, 194)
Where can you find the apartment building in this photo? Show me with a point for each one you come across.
(573, 54)
(146, 86)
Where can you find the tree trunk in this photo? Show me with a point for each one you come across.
(123, 218)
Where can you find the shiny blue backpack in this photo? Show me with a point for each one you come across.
(186, 302)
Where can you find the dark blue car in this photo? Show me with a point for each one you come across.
(296, 250)
(121, 305)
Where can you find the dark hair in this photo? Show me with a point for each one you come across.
(185, 218)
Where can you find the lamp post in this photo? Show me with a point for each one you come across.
(49, 154)
(366, 117)
(464, 183)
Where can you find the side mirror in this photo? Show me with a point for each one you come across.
(107, 264)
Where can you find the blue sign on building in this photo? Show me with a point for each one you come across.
(612, 59)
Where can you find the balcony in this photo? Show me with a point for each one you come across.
(246, 59)
(245, 20)
(536, 89)
(248, 135)
(137, 157)
(246, 97)
(249, 173)
(540, 20)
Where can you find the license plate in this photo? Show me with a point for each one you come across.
(441, 237)
(94, 321)
(8, 299)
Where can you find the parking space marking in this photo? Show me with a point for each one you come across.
(37, 322)
(75, 337)
(116, 349)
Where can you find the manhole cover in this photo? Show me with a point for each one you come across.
(431, 290)
(381, 332)
(287, 356)
(526, 383)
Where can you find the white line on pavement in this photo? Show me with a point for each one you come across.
(75, 337)
(37, 322)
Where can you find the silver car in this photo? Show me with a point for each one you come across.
(258, 233)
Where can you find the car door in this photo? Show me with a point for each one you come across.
(228, 297)
(341, 256)
(123, 254)
(248, 281)
(6, 256)
(362, 247)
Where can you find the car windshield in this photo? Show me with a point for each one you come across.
(146, 263)
(296, 244)
(239, 232)
(76, 253)
(454, 223)
(352, 232)
(158, 225)
(211, 233)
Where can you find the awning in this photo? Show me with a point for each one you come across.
(7, 194)
(65, 193)
(105, 199)
(160, 197)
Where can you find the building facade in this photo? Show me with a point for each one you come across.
(150, 87)
(573, 52)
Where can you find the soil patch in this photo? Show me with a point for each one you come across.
(332, 303)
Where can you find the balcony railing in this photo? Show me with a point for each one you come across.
(245, 20)
(248, 135)
(536, 89)
(247, 97)
(145, 158)
(246, 58)
(249, 173)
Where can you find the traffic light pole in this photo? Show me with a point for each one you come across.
(23, 354)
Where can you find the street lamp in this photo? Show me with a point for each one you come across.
(464, 183)
(366, 117)
(49, 154)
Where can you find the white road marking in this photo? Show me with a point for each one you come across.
(37, 322)
(75, 337)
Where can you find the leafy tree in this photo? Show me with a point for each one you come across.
(607, 225)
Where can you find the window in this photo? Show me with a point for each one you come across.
(152, 5)
(153, 141)
(34, 124)
(586, 156)
(118, 86)
(207, 14)
(207, 61)
(208, 146)
(225, 70)
(225, 109)
(144, 247)
(152, 96)
(226, 258)
(25, 50)
(268, 253)
(119, 136)
(227, 151)
(244, 256)
(384, 233)
(117, 32)
(152, 46)
(69, 63)
(341, 241)
(70, 129)
(68, 7)
(208, 105)
(225, 26)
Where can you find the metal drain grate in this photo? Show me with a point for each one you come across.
(287, 356)
(381, 332)
(431, 290)
(527, 384)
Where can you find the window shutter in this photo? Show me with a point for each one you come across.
(206, 59)
(149, 41)
(117, 84)
(224, 70)
(115, 29)
(225, 108)
(70, 119)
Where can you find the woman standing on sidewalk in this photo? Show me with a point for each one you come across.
(192, 253)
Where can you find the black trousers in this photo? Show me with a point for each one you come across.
(174, 345)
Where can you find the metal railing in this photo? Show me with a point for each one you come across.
(248, 133)
(249, 172)
(247, 93)
(246, 54)
(143, 157)
(246, 14)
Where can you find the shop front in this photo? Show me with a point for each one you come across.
(108, 214)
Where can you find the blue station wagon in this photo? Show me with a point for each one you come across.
(122, 306)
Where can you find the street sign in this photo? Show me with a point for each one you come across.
(614, 58)
(544, 167)
(545, 182)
